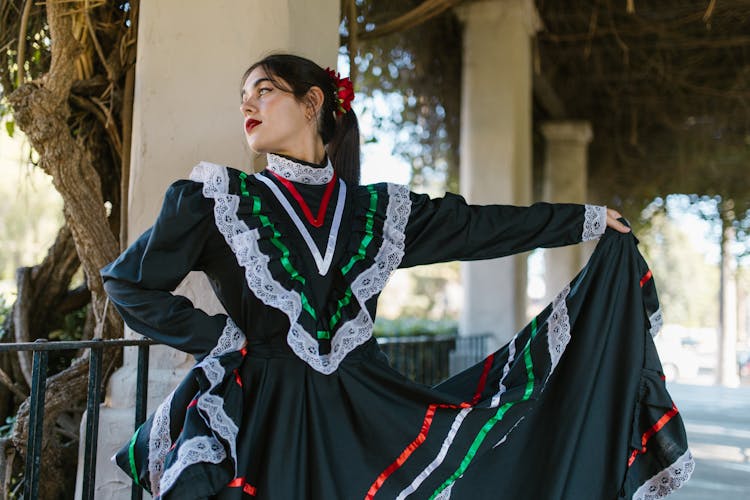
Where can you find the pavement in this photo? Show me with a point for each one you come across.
(717, 421)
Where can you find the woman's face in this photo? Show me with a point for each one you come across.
(274, 121)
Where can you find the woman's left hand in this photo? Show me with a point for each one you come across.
(612, 216)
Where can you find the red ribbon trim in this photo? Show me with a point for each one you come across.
(240, 482)
(315, 221)
(651, 431)
(646, 277)
(426, 424)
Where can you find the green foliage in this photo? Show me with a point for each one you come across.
(418, 71)
(36, 45)
(72, 325)
(7, 428)
(5, 309)
(408, 327)
(688, 283)
(31, 212)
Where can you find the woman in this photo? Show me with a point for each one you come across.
(292, 398)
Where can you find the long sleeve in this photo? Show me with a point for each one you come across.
(140, 281)
(444, 229)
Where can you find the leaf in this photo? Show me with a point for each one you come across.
(10, 127)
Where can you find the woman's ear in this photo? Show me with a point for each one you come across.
(314, 101)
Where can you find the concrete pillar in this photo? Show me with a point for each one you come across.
(191, 56)
(496, 121)
(727, 373)
(565, 174)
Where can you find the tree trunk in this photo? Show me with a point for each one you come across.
(73, 158)
(41, 110)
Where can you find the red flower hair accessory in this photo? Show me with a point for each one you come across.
(344, 91)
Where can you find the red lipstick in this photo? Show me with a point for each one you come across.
(251, 123)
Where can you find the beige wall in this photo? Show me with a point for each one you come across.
(191, 56)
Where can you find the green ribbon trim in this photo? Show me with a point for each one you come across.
(368, 231)
(243, 184)
(286, 263)
(295, 275)
(342, 303)
(131, 456)
(495, 418)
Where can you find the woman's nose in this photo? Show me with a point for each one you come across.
(247, 106)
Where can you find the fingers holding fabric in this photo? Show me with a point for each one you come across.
(612, 216)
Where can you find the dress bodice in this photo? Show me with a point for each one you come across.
(288, 271)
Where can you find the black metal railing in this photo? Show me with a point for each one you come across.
(41, 350)
(427, 359)
(430, 359)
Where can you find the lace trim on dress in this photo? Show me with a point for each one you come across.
(297, 172)
(231, 339)
(558, 328)
(192, 451)
(244, 244)
(594, 222)
(159, 443)
(668, 480)
(656, 320)
(391, 252)
(213, 406)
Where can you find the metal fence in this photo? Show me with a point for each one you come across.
(430, 359)
(427, 359)
(41, 350)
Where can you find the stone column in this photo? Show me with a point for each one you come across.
(496, 121)
(191, 56)
(565, 175)
(727, 372)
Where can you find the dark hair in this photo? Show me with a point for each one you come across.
(340, 134)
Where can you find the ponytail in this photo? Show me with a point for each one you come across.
(343, 148)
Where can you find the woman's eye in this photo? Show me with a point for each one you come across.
(263, 90)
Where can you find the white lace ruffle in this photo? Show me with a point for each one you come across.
(558, 328)
(391, 252)
(213, 406)
(244, 244)
(657, 321)
(159, 443)
(231, 339)
(192, 451)
(594, 222)
(298, 172)
(668, 480)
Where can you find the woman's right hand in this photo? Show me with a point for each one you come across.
(612, 216)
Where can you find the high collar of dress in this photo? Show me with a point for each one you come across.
(300, 171)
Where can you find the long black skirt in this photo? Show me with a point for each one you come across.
(573, 407)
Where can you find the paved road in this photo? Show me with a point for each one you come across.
(717, 421)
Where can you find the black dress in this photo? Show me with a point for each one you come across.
(574, 406)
